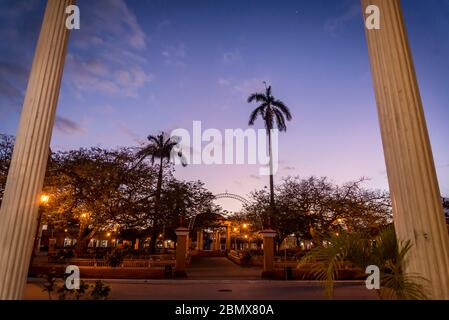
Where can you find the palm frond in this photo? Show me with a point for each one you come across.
(253, 116)
(284, 109)
(280, 121)
(326, 261)
(154, 139)
(403, 286)
(268, 92)
(258, 97)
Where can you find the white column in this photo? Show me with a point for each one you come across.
(418, 213)
(18, 214)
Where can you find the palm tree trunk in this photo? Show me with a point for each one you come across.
(156, 206)
(272, 209)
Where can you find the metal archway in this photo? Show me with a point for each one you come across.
(234, 196)
(225, 195)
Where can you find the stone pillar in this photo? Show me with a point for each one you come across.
(268, 253)
(189, 243)
(181, 251)
(415, 194)
(18, 214)
(198, 245)
(228, 237)
(217, 240)
(201, 240)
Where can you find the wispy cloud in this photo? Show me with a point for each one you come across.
(336, 25)
(13, 78)
(130, 133)
(164, 24)
(109, 20)
(108, 57)
(222, 82)
(96, 76)
(67, 126)
(174, 55)
(251, 85)
(231, 57)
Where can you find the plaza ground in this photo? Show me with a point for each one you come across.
(220, 279)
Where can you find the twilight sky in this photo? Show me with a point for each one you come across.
(140, 66)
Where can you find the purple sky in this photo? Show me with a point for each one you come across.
(138, 67)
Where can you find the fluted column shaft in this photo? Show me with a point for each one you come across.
(18, 214)
(415, 194)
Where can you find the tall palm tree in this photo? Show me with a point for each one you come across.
(159, 147)
(274, 112)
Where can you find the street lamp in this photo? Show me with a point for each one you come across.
(44, 199)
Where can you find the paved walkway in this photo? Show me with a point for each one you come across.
(220, 290)
(220, 268)
(219, 279)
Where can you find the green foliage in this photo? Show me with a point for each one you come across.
(75, 294)
(49, 284)
(312, 208)
(6, 149)
(115, 258)
(100, 291)
(354, 248)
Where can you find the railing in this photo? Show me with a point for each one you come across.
(154, 261)
(281, 262)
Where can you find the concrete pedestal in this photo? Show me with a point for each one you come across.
(181, 251)
(268, 253)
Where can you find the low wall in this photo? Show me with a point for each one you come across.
(104, 272)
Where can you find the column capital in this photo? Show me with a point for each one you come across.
(182, 231)
(268, 233)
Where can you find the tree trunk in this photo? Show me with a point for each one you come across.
(156, 206)
(83, 242)
(272, 208)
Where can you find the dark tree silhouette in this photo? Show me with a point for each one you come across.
(159, 147)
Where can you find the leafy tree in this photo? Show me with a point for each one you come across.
(274, 113)
(6, 149)
(95, 189)
(446, 203)
(49, 284)
(313, 208)
(183, 201)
